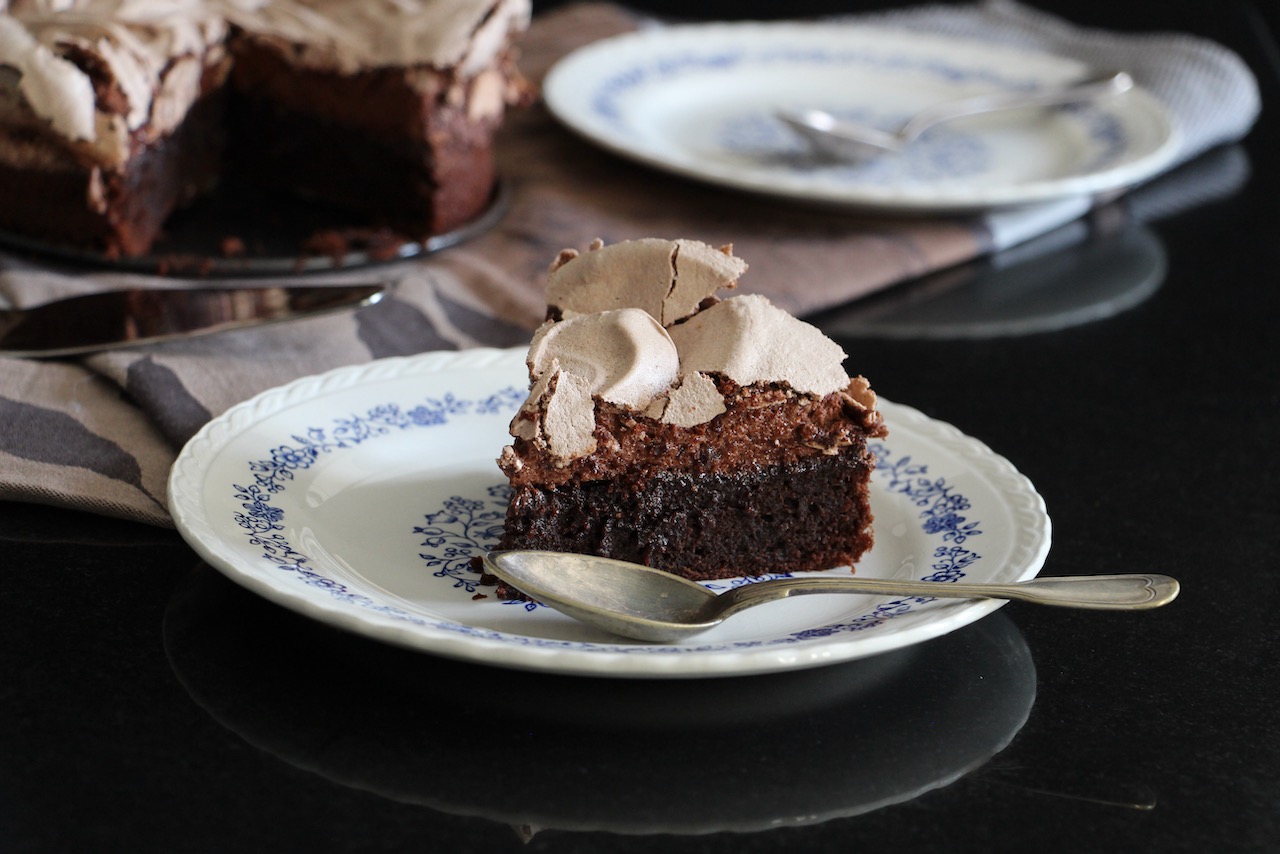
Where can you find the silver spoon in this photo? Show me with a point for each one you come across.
(845, 140)
(648, 604)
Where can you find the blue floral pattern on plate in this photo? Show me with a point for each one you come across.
(467, 526)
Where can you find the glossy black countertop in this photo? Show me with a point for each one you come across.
(149, 704)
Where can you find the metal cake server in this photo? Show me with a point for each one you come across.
(127, 318)
(648, 604)
(846, 140)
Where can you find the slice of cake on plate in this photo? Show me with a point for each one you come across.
(707, 437)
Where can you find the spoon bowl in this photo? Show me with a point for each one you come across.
(648, 604)
(844, 140)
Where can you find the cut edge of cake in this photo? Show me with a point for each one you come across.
(114, 115)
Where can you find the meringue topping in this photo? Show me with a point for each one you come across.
(140, 43)
(351, 35)
(151, 52)
(640, 327)
(667, 278)
(567, 421)
(695, 401)
(750, 340)
(624, 356)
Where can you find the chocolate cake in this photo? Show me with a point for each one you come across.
(707, 437)
(385, 107)
(114, 113)
(110, 117)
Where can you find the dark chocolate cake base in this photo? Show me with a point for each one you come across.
(367, 142)
(398, 183)
(806, 515)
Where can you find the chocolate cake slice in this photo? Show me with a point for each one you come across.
(709, 438)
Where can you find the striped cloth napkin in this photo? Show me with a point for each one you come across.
(100, 433)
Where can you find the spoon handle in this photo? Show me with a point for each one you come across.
(1127, 592)
(1110, 83)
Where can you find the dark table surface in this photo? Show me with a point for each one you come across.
(148, 704)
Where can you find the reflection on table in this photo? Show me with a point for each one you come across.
(638, 757)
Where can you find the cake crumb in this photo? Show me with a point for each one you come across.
(232, 247)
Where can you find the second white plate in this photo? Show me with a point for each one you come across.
(358, 498)
(698, 100)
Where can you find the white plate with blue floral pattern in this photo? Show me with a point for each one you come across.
(698, 100)
(358, 498)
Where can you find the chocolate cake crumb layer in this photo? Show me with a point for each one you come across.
(383, 142)
(760, 423)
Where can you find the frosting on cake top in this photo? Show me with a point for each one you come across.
(152, 53)
(637, 324)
